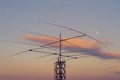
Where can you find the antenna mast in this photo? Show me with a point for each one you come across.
(60, 65)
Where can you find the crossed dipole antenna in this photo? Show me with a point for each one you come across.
(60, 64)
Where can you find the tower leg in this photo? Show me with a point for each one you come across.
(60, 70)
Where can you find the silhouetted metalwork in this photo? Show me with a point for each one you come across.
(60, 64)
(60, 70)
(71, 29)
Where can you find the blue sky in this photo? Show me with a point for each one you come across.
(89, 16)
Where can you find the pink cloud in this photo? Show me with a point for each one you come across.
(88, 47)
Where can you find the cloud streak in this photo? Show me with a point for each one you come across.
(117, 72)
(87, 47)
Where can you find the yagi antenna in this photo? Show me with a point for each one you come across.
(56, 39)
(71, 29)
(60, 64)
(50, 37)
(43, 46)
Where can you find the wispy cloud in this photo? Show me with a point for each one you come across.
(117, 72)
(87, 47)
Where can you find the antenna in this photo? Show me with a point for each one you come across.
(60, 64)
(71, 29)
(60, 67)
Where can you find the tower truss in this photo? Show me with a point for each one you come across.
(60, 70)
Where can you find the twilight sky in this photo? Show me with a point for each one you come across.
(98, 18)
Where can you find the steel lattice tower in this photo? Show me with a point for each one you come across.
(60, 64)
(60, 70)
